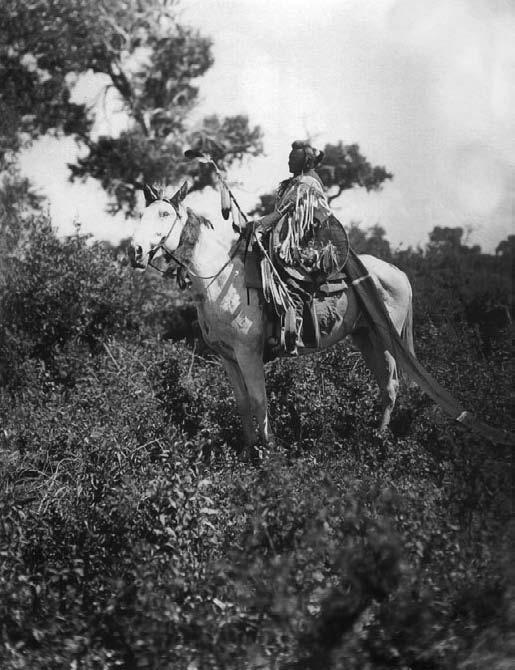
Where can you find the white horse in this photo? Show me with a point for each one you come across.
(234, 320)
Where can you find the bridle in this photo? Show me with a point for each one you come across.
(170, 255)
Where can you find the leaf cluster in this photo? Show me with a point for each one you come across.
(146, 63)
(133, 533)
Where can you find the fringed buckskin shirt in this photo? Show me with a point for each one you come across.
(298, 238)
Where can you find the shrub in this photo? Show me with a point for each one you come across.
(60, 291)
(133, 535)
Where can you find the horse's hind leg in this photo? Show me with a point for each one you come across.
(384, 368)
(390, 389)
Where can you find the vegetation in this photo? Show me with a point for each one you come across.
(134, 535)
(146, 65)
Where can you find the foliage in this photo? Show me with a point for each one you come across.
(146, 63)
(133, 534)
(456, 284)
(128, 541)
(265, 205)
(344, 167)
(506, 247)
(18, 204)
(58, 291)
(371, 241)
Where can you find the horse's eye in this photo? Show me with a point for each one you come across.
(165, 212)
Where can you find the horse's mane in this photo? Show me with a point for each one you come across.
(191, 230)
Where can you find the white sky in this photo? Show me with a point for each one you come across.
(426, 88)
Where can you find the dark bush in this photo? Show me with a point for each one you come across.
(132, 534)
(58, 291)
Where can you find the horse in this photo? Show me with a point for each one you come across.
(234, 321)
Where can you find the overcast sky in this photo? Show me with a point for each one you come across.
(427, 89)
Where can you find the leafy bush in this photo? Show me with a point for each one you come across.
(132, 534)
(133, 537)
(60, 291)
(62, 299)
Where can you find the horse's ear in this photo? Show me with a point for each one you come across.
(150, 193)
(179, 196)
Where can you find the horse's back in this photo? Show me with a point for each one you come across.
(385, 273)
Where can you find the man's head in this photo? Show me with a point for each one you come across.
(303, 157)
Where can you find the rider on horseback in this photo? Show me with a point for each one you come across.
(306, 242)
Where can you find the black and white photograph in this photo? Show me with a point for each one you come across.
(256, 304)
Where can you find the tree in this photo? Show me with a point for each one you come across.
(265, 205)
(15, 193)
(344, 167)
(506, 248)
(447, 244)
(148, 63)
(369, 241)
(443, 237)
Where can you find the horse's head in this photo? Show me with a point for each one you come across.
(160, 228)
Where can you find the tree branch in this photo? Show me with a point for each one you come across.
(123, 86)
(330, 198)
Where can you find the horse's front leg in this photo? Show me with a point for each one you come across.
(242, 400)
(251, 365)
